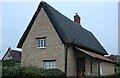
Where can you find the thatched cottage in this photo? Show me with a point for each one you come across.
(52, 41)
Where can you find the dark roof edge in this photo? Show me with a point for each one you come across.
(82, 47)
(24, 36)
(6, 52)
(99, 44)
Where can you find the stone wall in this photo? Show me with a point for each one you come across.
(31, 55)
(71, 63)
(107, 68)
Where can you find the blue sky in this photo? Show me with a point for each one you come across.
(101, 18)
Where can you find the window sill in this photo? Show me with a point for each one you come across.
(41, 47)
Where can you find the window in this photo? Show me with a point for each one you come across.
(49, 64)
(101, 70)
(41, 43)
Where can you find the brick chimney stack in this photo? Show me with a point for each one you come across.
(77, 18)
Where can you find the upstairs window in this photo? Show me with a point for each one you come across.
(41, 43)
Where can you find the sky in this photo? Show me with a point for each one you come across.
(119, 28)
(101, 18)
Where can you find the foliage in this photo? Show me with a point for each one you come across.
(11, 69)
(8, 63)
(55, 72)
(32, 71)
(117, 68)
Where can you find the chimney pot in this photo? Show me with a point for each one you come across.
(77, 18)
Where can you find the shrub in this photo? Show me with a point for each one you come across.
(117, 69)
(55, 73)
(11, 71)
(9, 63)
(31, 71)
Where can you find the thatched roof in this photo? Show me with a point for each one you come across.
(67, 30)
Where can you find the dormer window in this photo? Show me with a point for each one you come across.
(41, 42)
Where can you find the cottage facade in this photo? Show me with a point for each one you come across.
(51, 40)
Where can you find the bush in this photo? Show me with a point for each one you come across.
(31, 71)
(55, 72)
(117, 69)
(9, 63)
(11, 71)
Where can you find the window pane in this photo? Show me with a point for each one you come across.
(54, 64)
(44, 64)
(38, 42)
(44, 42)
(51, 66)
(47, 67)
(41, 43)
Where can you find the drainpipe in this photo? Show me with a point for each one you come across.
(98, 69)
(91, 66)
(66, 55)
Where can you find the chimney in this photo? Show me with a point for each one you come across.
(77, 18)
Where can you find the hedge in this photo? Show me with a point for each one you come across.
(31, 71)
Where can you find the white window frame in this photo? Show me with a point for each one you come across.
(49, 64)
(41, 43)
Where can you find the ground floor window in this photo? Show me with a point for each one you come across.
(101, 70)
(49, 64)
